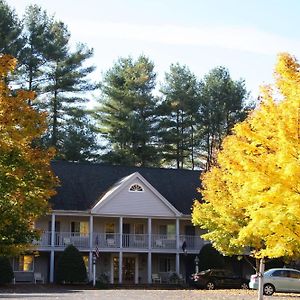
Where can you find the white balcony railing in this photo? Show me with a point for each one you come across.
(114, 241)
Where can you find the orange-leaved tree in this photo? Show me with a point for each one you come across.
(251, 197)
(26, 179)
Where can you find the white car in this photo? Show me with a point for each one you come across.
(278, 280)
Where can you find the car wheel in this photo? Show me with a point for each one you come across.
(269, 289)
(244, 286)
(210, 285)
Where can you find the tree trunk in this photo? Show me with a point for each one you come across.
(261, 279)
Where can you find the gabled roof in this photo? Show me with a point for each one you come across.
(111, 193)
(83, 184)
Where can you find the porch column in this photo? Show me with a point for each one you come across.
(149, 233)
(149, 265)
(120, 266)
(177, 246)
(177, 235)
(177, 263)
(91, 265)
(51, 275)
(53, 230)
(91, 234)
(149, 268)
(121, 231)
(52, 266)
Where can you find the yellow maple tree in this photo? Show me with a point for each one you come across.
(251, 197)
(26, 179)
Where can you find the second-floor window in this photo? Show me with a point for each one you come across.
(110, 230)
(79, 228)
(167, 231)
(139, 231)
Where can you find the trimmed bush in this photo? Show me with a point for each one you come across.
(210, 258)
(6, 271)
(70, 267)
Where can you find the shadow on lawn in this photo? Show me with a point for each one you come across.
(10, 291)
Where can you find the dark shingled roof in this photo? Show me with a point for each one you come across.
(82, 184)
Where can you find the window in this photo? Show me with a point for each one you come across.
(80, 228)
(136, 188)
(23, 263)
(110, 230)
(139, 231)
(168, 230)
(294, 274)
(86, 262)
(166, 264)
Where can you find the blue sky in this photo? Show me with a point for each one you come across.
(244, 36)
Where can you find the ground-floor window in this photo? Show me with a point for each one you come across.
(166, 264)
(23, 263)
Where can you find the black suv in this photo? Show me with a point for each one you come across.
(215, 278)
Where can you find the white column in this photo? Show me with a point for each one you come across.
(120, 266)
(177, 246)
(90, 265)
(149, 234)
(177, 263)
(51, 275)
(136, 271)
(149, 267)
(52, 266)
(53, 230)
(177, 235)
(91, 234)
(149, 263)
(121, 231)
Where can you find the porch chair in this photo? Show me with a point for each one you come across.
(156, 278)
(38, 277)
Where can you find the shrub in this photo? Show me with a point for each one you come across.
(6, 271)
(70, 267)
(210, 258)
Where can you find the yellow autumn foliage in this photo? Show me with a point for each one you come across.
(26, 180)
(251, 197)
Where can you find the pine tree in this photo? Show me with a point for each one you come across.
(223, 105)
(11, 38)
(127, 112)
(179, 117)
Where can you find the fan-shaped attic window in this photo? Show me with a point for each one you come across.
(136, 188)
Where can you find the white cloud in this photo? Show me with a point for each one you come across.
(242, 39)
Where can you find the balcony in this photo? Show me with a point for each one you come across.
(113, 241)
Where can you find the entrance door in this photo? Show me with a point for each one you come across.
(126, 235)
(128, 269)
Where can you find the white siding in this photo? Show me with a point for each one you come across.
(144, 203)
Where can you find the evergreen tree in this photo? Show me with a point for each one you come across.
(179, 117)
(67, 82)
(223, 105)
(127, 112)
(6, 271)
(70, 266)
(36, 52)
(80, 140)
(11, 39)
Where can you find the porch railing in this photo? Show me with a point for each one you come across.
(115, 241)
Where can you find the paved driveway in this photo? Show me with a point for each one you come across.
(119, 294)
